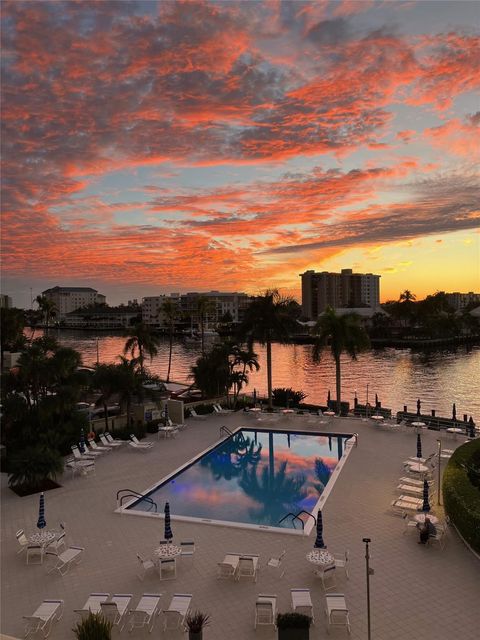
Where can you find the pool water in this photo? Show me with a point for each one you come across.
(252, 478)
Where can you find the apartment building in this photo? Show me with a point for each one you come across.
(5, 301)
(461, 300)
(103, 317)
(152, 309)
(68, 299)
(338, 290)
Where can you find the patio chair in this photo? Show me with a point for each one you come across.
(95, 447)
(302, 602)
(410, 525)
(35, 553)
(336, 610)
(276, 562)
(116, 610)
(72, 555)
(195, 415)
(248, 567)
(43, 618)
(145, 565)
(220, 410)
(266, 610)
(187, 549)
(145, 612)
(81, 456)
(174, 616)
(83, 466)
(58, 543)
(92, 605)
(438, 538)
(143, 445)
(113, 440)
(225, 570)
(106, 443)
(341, 562)
(327, 576)
(168, 569)
(22, 540)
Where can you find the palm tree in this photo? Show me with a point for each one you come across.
(141, 339)
(105, 380)
(205, 308)
(170, 311)
(269, 317)
(407, 296)
(48, 308)
(129, 383)
(343, 333)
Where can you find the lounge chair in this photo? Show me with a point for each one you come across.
(168, 569)
(341, 562)
(113, 440)
(44, 617)
(58, 543)
(415, 483)
(400, 506)
(221, 411)
(81, 456)
(187, 549)
(336, 610)
(145, 612)
(64, 561)
(92, 605)
(195, 415)
(142, 445)
(95, 447)
(225, 570)
(248, 567)
(276, 563)
(35, 553)
(116, 610)
(265, 610)
(106, 443)
(167, 430)
(22, 540)
(174, 616)
(145, 565)
(302, 602)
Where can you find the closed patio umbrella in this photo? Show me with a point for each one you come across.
(419, 446)
(254, 397)
(165, 414)
(168, 535)
(81, 444)
(454, 412)
(328, 398)
(376, 401)
(319, 543)
(419, 405)
(426, 504)
(41, 522)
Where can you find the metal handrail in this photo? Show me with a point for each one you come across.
(134, 494)
(225, 430)
(295, 517)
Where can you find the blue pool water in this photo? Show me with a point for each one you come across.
(254, 477)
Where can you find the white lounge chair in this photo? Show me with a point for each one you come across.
(302, 602)
(145, 612)
(44, 617)
(187, 549)
(145, 565)
(276, 563)
(92, 605)
(72, 555)
(143, 445)
(106, 443)
(221, 411)
(167, 569)
(225, 570)
(84, 467)
(195, 415)
(336, 610)
(81, 456)
(265, 610)
(113, 440)
(405, 505)
(22, 540)
(174, 616)
(95, 447)
(247, 567)
(116, 610)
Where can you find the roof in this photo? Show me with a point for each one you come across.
(70, 289)
(103, 311)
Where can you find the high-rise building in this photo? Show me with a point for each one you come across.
(338, 290)
(5, 301)
(461, 300)
(67, 299)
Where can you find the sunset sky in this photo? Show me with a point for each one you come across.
(152, 147)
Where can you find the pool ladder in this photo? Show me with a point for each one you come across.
(134, 494)
(296, 517)
(225, 431)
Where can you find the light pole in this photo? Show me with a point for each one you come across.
(97, 349)
(366, 406)
(370, 572)
(439, 443)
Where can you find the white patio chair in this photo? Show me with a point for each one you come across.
(92, 605)
(276, 563)
(22, 540)
(111, 439)
(187, 549)
(116, 610)
(438, 538)
(225, 570)
(302, 602)
(145, 565)
(220, 410)
(84, 467)
(265, 610)
(63, 562)
(168, 569)
(106, 443)
(248, 567)
(410, 525)
(327, 576)
(35, 553)
(43, 618)
(195, 415)
(95, 447)
(81, 456)
(58, 543)
(143, 445)
(336, 610)
(341, 562)
(145, 612)
(174, 616)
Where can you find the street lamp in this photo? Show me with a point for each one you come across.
(370, 572)
(366, 406)
(97, 349)
(439, 443)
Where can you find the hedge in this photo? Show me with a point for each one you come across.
(461, 498)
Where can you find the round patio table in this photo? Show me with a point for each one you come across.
(42, 537)
(416, 467)
(418, 424)
(420, 517)
(329, 413)
(288, 411)
(166, 551)
(320, 557)
(378, 418)
(254, 410)
(454, 430)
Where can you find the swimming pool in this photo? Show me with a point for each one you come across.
(254, 478)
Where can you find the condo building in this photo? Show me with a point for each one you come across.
(338, 290)
(68, 299)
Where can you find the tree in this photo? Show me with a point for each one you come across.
(269, 317)
(141, 339)
(205, 308)
(246, 360)
(105, 380)
(11, 330)
(48, 308)
(211, 372)
(343, 333)
(171, 312)
(129, 383)
(31, 466)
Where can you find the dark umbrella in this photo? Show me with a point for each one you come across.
(454, 412)
(165, 414)
(81, 444)
(376, 401)
(41, 522)
(419, 446)
(319, 543)
(328, 398)
(168, 535)
(254, 397)
(419, 404)
(471, 428)
(426, 505)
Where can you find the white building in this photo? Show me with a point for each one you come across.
(461, 300)
(152, 308)
(68, 299)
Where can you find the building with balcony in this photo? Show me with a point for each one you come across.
(68, 299)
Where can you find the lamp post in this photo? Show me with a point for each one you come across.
(366, 406)
(439, 443)
(370, 572)
(97, 349)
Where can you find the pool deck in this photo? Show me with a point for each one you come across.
(416, 591)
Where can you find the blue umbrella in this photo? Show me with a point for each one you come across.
(81, 444)
(41, 522)
(426, 504)
(319, 543)
(168, 535)
(419, 446)
(165, 414)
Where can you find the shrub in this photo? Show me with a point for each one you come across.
(33, 465)
(93, 627)
(196, 620)
(293, 621)
(460, 496)
(286, 396)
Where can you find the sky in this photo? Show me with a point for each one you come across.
(157, 147)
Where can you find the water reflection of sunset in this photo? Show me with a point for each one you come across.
(255, 477)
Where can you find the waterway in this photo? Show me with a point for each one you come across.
(438, 377)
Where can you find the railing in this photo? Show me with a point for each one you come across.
(134, 494)
(296, 517)
(226, 431)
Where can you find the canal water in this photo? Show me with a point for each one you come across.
(399, 376)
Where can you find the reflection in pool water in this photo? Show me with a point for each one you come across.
(253, 477)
